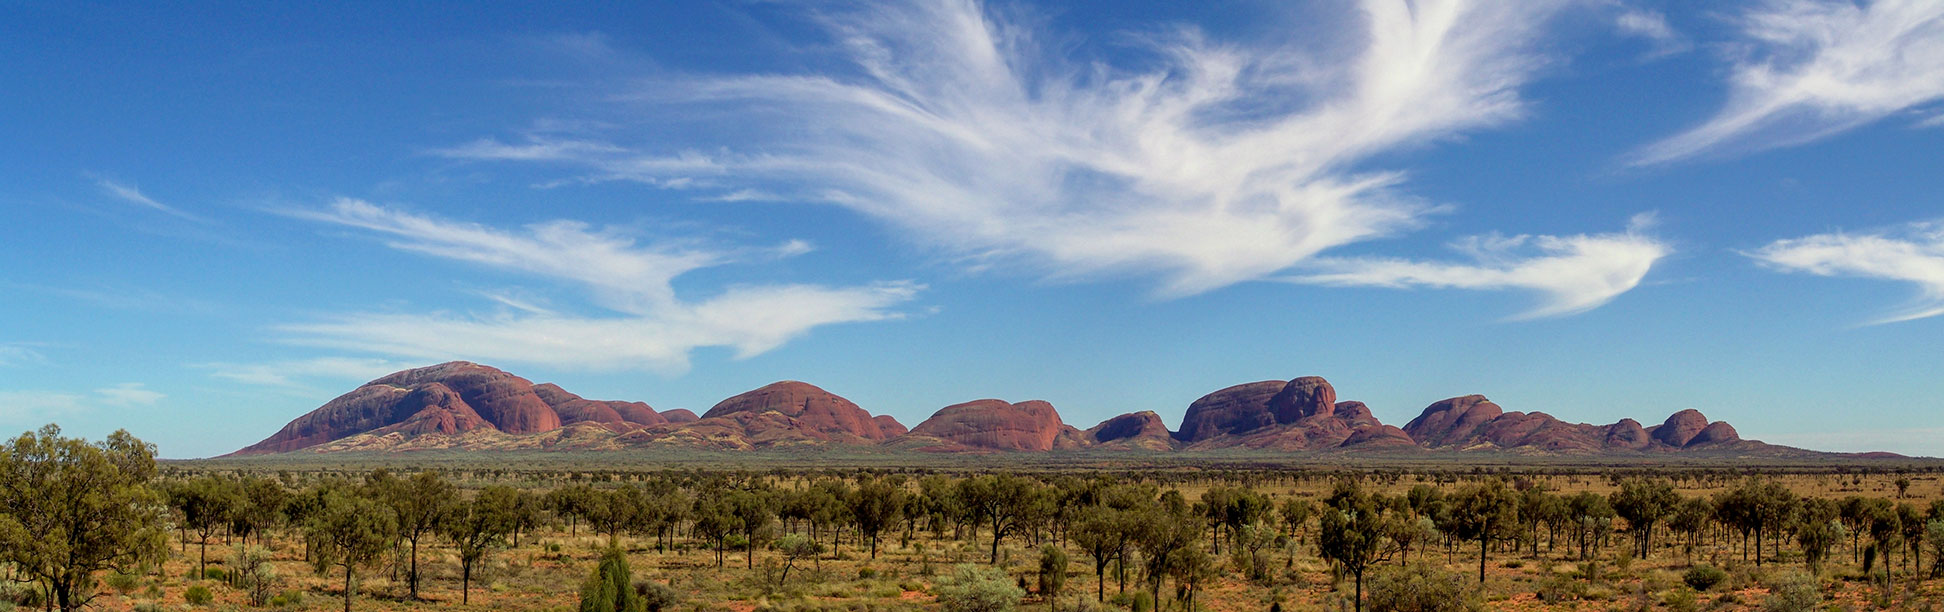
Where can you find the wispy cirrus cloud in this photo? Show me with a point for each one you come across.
(26, 407)
(1652, 27)
(1201, 164)
(1571, 274)
(292, 373)
(648, 326)
(16, 354)
(132, 195)
(1808, 69)
(1912, 254)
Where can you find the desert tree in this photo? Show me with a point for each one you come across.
(1295, 514)
(754, 514)
(419, 503)
(998, 500)
(261, 505)
(1910, 519)
(1483, 512)
(205, 505)
(795, 547)
(713, 521)
(349, 531)
(70, 509)
(1052, 574)
(477, 527)
(1354, 533)
(1644, 503)
(1689, 520)
(876, 503)
(1166, 532)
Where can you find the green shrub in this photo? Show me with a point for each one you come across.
(1561, 587)
(866, 573)
(1704, 577)
(610, 588)
(152, 591)
(976, 589)
(1794, 592)
(1421, 588)
(288, 599)
(1681, 600)
(214, 573)
(197, 595)
(655, 596)
(1142, 602)
(123, 583)
(148, 606)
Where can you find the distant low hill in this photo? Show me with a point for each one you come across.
(468, 406)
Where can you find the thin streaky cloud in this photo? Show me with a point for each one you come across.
(293, 372)
(1652, 27)
(957, 126)
(649, 327)
(1571, 274)
(1913, 254)
(1808, 69)
(128, 395)
(132, 195)
(16, 354)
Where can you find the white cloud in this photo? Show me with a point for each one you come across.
(1203, 164)
(26, 407)
(13, 354)
(1572, 274)
(1652, 27)
(651, 327)
(127, 395)
(1808, 69)
(1913, 254)
(130, 194)
(288, 373)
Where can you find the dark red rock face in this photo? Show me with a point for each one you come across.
(1627, 434)
(1452, 421)
(1680, 428)
(996, 425)
(1309, 396)
(451, 398)
(1237, 409)
(680, 415)
(817, 412)
(1716, 432)
(890, 426)
(505, 400)
(1143, 425)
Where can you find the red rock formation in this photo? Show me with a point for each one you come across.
(1716, 432)
(996, 425)
(505, 400)
(1453, 421)
(1627, 434)
(1680, 428)
(1309, 396)
(680, 415)
(615, 415)
(890, 426)
(1234, 410)
(1142, 429)
(814, 412)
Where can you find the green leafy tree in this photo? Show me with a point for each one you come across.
(874, 505)
(1052, 574)
(349, 531)
(478, 527)
(420, 504)
(206, 504)
(796, 547)
(1354, 534)
(1644, 503)
(70, 510)
(753, 514)
(1483, 512)
(999, 501)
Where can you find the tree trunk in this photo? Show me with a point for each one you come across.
(347, 588)
(1482, 540)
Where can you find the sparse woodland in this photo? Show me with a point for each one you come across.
(100, 525)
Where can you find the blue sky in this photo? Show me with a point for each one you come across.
(219, 216)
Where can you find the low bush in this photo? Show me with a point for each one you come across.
(1794, 592)
(975, 589)
(197, 595)
(1421, 588)
(1704, 577)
